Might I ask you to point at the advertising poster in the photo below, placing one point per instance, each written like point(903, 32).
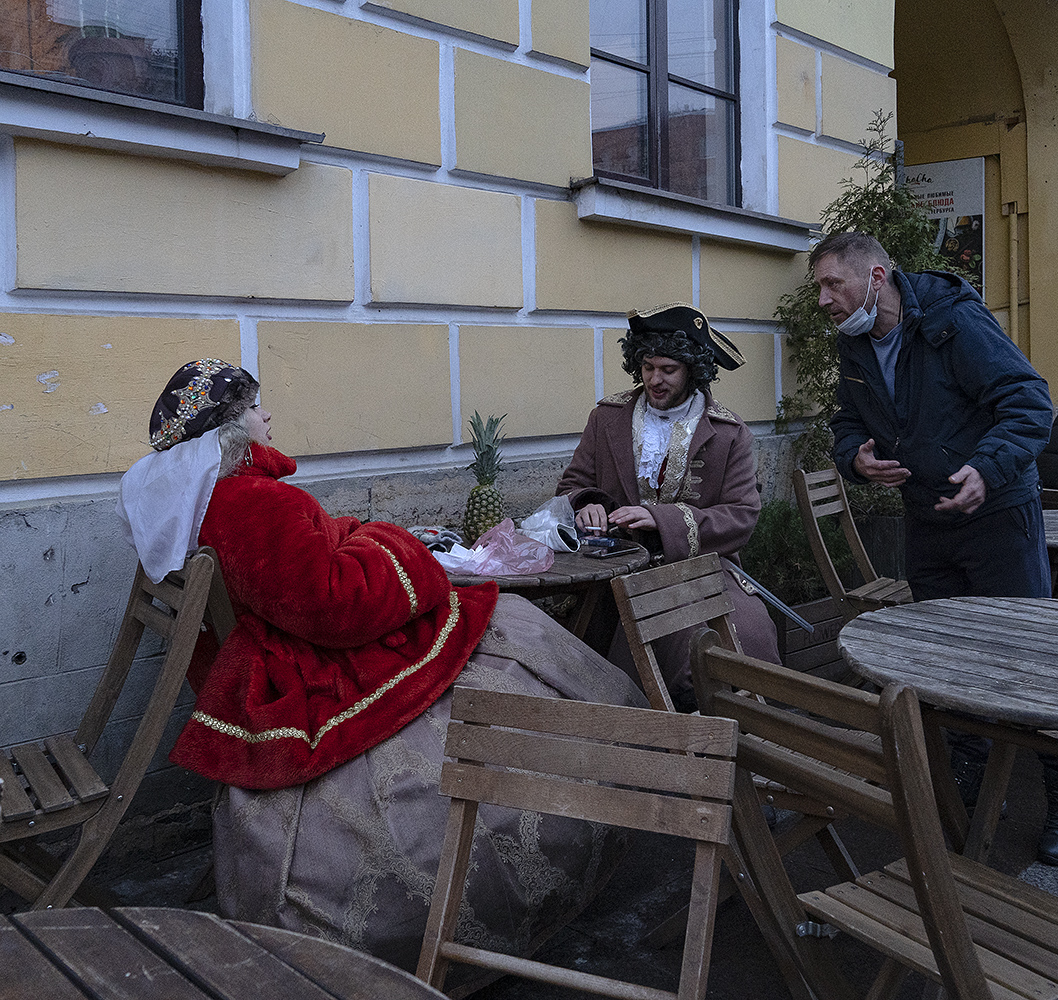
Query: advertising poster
point(953, 194)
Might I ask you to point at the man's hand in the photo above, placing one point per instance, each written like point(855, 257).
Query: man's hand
point(887, 472)
point(634, 517)
point(971, 493)
point(592, 515)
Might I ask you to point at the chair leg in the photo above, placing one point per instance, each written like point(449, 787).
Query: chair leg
point(448, 891)
point(701, 916)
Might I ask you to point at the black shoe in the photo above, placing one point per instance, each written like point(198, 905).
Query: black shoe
point(1047, 847)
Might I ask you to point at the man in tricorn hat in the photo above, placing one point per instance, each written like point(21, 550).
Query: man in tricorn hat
point(666, 463)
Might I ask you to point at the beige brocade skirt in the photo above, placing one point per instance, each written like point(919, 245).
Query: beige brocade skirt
point(352, 856)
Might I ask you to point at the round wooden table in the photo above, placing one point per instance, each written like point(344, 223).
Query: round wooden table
point(153, 952)
point(994, 658)
point(572, 572)
point(989, 656)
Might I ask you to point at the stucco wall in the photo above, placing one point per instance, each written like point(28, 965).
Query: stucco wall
point(427, 259)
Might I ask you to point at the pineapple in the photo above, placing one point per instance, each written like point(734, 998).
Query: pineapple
point(485, 508)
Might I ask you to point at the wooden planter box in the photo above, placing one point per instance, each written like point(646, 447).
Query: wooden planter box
point(816, 652)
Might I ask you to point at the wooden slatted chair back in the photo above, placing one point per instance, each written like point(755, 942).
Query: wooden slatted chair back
point(666, 599)
point(977, 932)
point(599, 763)
point(820, 495)
point(53, 784)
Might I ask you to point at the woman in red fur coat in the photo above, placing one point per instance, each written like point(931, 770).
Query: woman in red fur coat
point(324, 711)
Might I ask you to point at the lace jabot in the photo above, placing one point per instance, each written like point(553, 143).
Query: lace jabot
point(656, 433)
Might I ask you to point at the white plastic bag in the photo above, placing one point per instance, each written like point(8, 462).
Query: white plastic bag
point(501, 551)
point(554, 524)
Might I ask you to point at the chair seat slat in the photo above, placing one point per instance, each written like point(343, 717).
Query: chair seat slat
point(15, 804)
point(81, 776)
point(45, 784)
point(994, 925)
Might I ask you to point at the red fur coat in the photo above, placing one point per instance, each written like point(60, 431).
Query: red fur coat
point(346, 632)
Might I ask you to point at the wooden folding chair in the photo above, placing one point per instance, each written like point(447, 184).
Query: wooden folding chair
point(822, 494)
point(979, 933)
point(52, 785)
point(659, 601)
point(563, 758)
point(663, 600)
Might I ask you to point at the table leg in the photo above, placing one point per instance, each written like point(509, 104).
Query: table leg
point(586, 610)
point(990, 801)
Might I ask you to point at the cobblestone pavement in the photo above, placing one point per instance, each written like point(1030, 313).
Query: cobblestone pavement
point(608, 937)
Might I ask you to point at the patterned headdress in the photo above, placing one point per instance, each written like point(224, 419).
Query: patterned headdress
point(200, 396)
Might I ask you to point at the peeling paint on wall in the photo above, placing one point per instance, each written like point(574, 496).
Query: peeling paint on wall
point(98, 408)
point(7, 406)
point(6, 339)
point(45, 379)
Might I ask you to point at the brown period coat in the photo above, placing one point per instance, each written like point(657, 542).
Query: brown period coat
point(715, 509)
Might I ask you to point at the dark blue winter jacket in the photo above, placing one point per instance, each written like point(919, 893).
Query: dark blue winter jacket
point(965, 395)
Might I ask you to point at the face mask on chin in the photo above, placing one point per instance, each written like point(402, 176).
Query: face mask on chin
point(861, 321)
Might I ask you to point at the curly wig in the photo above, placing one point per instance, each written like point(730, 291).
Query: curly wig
point(701, 367)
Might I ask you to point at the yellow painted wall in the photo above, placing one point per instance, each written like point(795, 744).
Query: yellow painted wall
point(496, 19)
point(560, 29)
point(744, 283)
point(852, 95)
point(93, 220)
point(796, 75)
point(810, 178)
point(338, 387)
point(76, 391)
point(614, 377)
point(441, 243)
point(583, 266)
point(542, 378)
point(367, 87)
point(520, 122)
point(954, 65)
point(750, 391)
point(863, 28)
point(960, 101)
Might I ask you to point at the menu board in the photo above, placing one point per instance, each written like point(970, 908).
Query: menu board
point(953, 194)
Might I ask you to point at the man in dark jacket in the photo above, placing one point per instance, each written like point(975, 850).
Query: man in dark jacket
point(940, 403)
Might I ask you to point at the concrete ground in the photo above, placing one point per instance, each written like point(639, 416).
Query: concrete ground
point(608, 937)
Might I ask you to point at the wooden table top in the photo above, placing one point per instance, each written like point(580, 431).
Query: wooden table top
point(1050, 528)
point(988, 656)
point(150, 952)
point(569, 569)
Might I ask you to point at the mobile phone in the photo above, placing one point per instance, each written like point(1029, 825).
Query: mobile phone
point(620, 548)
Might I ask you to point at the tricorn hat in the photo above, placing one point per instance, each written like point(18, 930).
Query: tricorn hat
point(692, 322)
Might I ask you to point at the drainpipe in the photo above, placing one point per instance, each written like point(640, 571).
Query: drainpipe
point(1010, 210)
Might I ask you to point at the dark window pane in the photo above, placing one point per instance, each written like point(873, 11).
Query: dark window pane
point(701, 145)
point(620, 28)
point(129, 46)
point(699, 42)
point(619, 119)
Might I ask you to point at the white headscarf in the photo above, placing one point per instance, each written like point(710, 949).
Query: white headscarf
point(163, 499)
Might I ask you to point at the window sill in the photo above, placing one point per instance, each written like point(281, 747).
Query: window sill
point(599, 199)
point(61, 112)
